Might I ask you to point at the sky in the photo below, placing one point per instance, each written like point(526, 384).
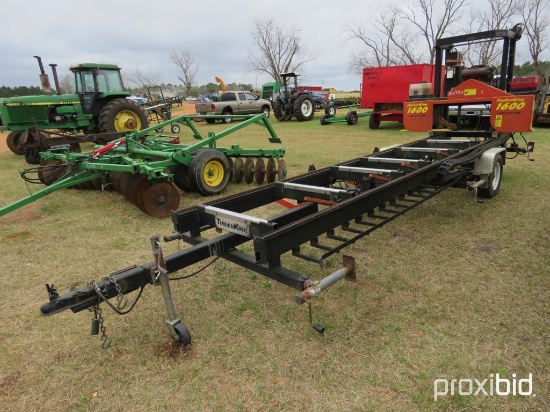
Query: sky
point(140, 34)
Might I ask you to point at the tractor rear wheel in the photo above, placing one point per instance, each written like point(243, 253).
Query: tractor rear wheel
point(279, 110)
point(209, 172)
point(304, 107)
point(122, 115)
point(13, 142)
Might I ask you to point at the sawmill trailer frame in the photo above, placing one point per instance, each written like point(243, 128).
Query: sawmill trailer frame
point(327, 209)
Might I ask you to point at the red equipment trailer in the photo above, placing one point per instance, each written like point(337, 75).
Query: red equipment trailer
point(386, 88)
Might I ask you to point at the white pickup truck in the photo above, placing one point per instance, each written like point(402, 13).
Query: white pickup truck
point(233, 102)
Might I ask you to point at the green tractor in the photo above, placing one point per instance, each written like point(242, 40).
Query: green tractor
point(99, 105)
point(293, 102)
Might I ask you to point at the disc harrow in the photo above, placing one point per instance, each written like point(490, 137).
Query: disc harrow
point(146, 167)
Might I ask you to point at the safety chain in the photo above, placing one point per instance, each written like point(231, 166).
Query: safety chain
point(120, 299)
point(98, 325)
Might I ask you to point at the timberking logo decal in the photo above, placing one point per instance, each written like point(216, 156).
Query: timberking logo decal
point(494, 385)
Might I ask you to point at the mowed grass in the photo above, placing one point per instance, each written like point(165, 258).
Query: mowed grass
point(452, 290)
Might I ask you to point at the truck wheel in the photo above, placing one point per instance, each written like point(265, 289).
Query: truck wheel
point(279, 110)
point(122, 115)
point(304, 107)
point(351, 118)
point(373, 124)
point(209, 172)
point(265, 110)
point(227, 120)
point(495, 179)
point(12, 140)
point(330, 109)
point(210, 121)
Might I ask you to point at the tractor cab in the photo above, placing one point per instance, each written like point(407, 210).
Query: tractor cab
point(97, 81)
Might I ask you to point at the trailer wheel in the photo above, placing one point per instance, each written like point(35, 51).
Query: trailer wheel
point(330, 109)
point(495, 180)
point(373, 124)
point(122, 115)
point(304, 107)
point(175, 128)
point(180, 172)
point(351, 118)
point(13, 142)
point(184, 336)
point(324, 119)
point(209, 172)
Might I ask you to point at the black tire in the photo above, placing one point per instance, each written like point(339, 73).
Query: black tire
point(210, 121)
point(351, 118)
point(227, 120)
point(122, 115)
point(373, 124)
point(209, 172)
point(181, 177)
point(13, 142)
point(175, 128)
point(324, 118)
point(266, 111)
point(304, 108)
point(184, 336)
point(495, 180)
point(279, 110)
point(330, 109)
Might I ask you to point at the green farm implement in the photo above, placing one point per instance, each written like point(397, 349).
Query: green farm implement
point(351, 117)
point(144, 166)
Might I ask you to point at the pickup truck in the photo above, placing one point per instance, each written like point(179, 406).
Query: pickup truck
point(237, 102)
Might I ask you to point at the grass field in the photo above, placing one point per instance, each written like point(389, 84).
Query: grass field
point(452, 290)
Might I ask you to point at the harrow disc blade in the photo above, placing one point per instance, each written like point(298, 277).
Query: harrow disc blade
point(249, 170)
point(270, 170)
point(281, 170)
point(259, 171)
point(50, 172)
point(238, 170)
point(161, 199)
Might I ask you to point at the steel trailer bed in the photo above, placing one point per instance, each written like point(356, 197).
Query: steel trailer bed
point(328, 209)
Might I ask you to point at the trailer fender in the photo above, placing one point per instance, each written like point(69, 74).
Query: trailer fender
point(483, 165)
point(489, 168)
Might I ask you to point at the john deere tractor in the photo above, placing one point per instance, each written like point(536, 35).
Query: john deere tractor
point(293, 102)
point(99, 105)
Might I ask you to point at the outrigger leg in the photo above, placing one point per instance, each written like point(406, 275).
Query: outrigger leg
point(176, 328)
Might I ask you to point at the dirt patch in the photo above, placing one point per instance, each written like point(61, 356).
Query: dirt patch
point(185, 108)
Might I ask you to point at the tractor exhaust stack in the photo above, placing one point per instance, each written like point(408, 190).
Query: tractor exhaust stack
point(44, 80)
point(55, 78)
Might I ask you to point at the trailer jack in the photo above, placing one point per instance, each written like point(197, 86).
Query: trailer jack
point(176, 328)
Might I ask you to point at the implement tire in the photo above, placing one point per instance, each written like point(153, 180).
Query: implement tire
point(304, 108)
point(209, 172)
point(351, 118)
point(122, 115)
point(13, 142)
